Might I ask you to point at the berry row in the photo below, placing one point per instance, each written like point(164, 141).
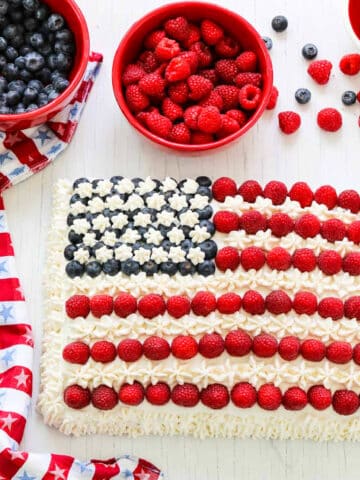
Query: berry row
point(215, 396)
point(204, 303)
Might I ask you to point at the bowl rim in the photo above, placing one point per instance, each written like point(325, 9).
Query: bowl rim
point(120, 98)
point(50, 107)
point(349, 23)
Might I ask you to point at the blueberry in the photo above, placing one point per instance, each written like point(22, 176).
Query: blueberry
point(37, 40)
point(64, 35)
point(150, 268)
point(111, 267)
point(10, 71)
point(61, 84)
point(42, 99)
point(70, 219)
point(348, 98)
point(44, 75)
point(203, 181)
point(25, 75)
point(4, 110)
point(31, 5)
point(55, 22)
point(3, 21)
point(309, 51)
point(206, 268)
point(36, 85)
point(116, 179)
point(186, 268)
point(20, 62)
point(20, 108)
point(16, 15)
point(279, 23)
point(69, 252)
point(169, 268)
point(3, 61)
point(15, 3)
point(10, 31)
point(98, 245)
point(17, 41)
point(186, 231)
point(11, 53)
point(30, 95)
point(166, 245)
point(3, 85)
point(130, 267)
point(32, 107)
point(45, 49)
point(208, 225)
point(62, 47)
point(34, 61)
point(4, 6)
point(74, 269)
point(52, 95)
point(205, 192)
point(41, 13)
point(3, 44)
point(18, 86)
point(136, 181)
point(187, 244)
point(25, 49)
point(93, 269)
point(209, 247)
point(79, 181)
point(205, 213)
point(75, 237)
point(303, 95)
point(13, 97)
point(63, 62)
point(268, 42)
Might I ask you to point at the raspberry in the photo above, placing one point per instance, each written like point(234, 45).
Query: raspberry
point(313, 350)
point(203, 303)
point(350, 64)
point(226, 70)
point(238, 343)
point(177, 28)
point(339, 352)
point(213, 100)
point(294, 399)
point(159, 125)
point(289, 348)
point(76, 352)
point(276, 191)
point(124, 305)
point(326, 195)
point(264, 345)
point(345, 402)
point(320, 70)
point(305, 303)
point(250, 97)
point(243, 395)
point(228, 126)
point(280, 224)
point(356, 354)
point(331, 307)
point(227, 258)
point(273, 99)
point(130, 350)
point(250, 190)
point(149, 61)
point(253, 222)
point(211, 32)
point(171, 110)
point(131, 394)
point(229, 303)
point(302, 193)
point(210, 74)
point(186, 395)
point(230, 96)
point(227, 47)
point(101, 305)
point(350, 200)
point(153, 39)
point(193, 37)
point(352, 307)
point(329, 119)
point(279, 259)
point(184, 347)
point(132, 74)
point(191, 58)
point(253, 303)
point(103, 352)
point(246, 62)
point(178, 69)
point(203, 52)
point(211, 345)
point(351, 263)
point(224, 187)
point(333, 230)
point(178, 92)
point(77, 397)
point(167, 49)
point(269, 397)
point(151, 305)
point(226, 222)
point(191, 116)
point(178, 306)
point(248, 78)
point(354, 232)
point(152, 84)
point(252, 258)
point(209, 120)
point(278, 302)
point(199, 87)
point(215, 396)
point(156, 348)
point(329, 262)
point(304, 260)
point(77, 306)
point(307, 226)
point(180, 134)
point(104, 398)
point(200, 138)
point(158, 394)
point(289, 122)
point(319, 397)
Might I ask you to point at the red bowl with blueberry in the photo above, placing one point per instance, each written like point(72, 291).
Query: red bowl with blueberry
point(44, 52)
point(192, 76)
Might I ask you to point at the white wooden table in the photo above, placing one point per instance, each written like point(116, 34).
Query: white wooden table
point(105, 145)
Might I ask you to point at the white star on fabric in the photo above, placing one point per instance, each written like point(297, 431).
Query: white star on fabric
point(22, 379)
point(59, 473)
point(142, 475)
point(17, 456)
point(8, 421)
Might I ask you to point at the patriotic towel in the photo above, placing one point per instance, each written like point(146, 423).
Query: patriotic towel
point(189, 308)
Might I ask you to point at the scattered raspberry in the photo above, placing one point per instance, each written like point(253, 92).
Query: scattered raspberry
point(230, 96)
point(209, 120)
point(276, 191)
point(246, 62)
point(313, 350)
point(153, 39)
point(281, 224)
point(305, 303)
point(279, 259)
point(156, 348)
point(243, 395)
point(264, 345)
point(203, 52)
point(229, 303)
point(215, 396)
point(333, 230)
point(77, 397)
point(130, 350)
point(269, 397)
point(226, 222)
point(227, 47)
point(356, 354)
point(76, 352)
point(158, 394)
point(159, 124)
point(304, 259)
point(131, 394)
point(326, 195)
point(345, 402)
point(227, 70)
point(152, 84)
point(178, 306)
point(149, 61)
point(248, 78)
point(227, 258)
point(302, 193)
point(250, 97)
point(214, 99)
point(199, 87)
point(350, 64)
point(289, 348)
point(171, 110)
point(191, 116)
point(238, 343)
point(151, 305)
point(211, 345)
point(177, 28)
point(351, 263)
point(350, 200)
point(252, 258)
point(320, 71)
point(319, 397)
point(103, 351)
point(203, 303)
point(329, 119)
point(253, 222)
point(104, 398)
point(331, 307)
point(167, 49)
point(184, 347)
point(250, 190)
point(289, 122)
point(124, 305)
point(224, 187)
point(354, 232)
point(352, 307)
point(273, 98)
point(339, 352)
point(294, 399)
point(307, 226)
point(193, 37)
point(186, 395)
point(329, 262)
point(178, 92)
point(253, 303)
point(211, 32)
point(77, 306)
point(133, 74)
point(101, 305)
point(180, 134)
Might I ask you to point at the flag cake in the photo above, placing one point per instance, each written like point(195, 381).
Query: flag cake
point(200, 307)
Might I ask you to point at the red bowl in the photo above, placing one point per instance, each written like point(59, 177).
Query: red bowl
point(354, 16)
point(77, 24)
point(234, 24)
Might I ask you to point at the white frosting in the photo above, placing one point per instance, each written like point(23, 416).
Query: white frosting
point(168, 185)
point(89, 239)
point(80, 225)
point(119, 220)
point(159, 255)
point(78, 207)
point(156, 201)
point(148, 185)
point(178, 202)
point(82, 255)
point(199, 234)
point(109, 238)
point(199, 202)
point(142, 219)
point(125, 186)
point(85, 190)
point(130, 236)
point(134, 202)
point(177, 254)
point(122, 253)
point(142, 255)
point(104, 187)
point(96, 205)
point(176, 235)
point(154, 236)
point(114, 202)
point(196, 255)
point(189, 218)
point(101, 223)
point(166, 218)
point(103, 254)
point(190, 186)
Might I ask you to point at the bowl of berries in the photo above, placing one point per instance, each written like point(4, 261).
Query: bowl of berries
point(44, 51)
point(192, 76)
point(353, 14)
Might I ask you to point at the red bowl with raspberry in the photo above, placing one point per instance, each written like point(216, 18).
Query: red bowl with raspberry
point(192, 76)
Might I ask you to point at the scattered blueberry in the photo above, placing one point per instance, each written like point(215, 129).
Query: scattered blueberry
point(309, 51)
point(209, 247)
point(69, 252)
point(279, 23)
point(268, 42)
point(348, 98)
point(169, 268)
point(130, 267)
point(93, 269)
point(74, 269)
point(186, 268)
point(111, 267)
point(206, 268)
point(303, 95)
